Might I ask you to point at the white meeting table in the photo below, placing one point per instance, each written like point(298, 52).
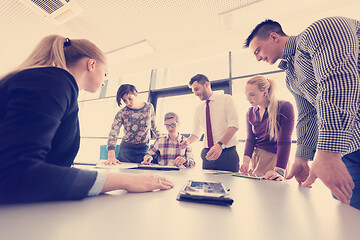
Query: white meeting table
point(262, 210)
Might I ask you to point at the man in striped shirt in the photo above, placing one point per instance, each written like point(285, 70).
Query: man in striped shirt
point(322, 67)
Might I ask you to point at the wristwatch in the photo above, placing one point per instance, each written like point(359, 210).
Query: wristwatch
point(222, 145)
point(281, 172)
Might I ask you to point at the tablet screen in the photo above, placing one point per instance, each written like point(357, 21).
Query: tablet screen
point(205, 188)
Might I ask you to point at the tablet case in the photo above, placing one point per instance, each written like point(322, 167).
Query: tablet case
point(226, 201)
point(157, 167)
point(222, 200)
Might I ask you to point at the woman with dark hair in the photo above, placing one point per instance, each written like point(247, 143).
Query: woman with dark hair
point(137, 118)
point(39, 126)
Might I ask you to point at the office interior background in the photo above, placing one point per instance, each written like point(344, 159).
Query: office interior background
point(158, 45)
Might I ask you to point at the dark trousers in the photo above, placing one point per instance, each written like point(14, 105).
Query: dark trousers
point(352, 163)
point(228, 160)
point(130, 152)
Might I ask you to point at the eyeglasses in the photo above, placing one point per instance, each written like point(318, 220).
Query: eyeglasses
point(173, 125)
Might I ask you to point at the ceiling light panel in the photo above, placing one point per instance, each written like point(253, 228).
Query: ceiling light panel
point(130, 52)
point(235, 17)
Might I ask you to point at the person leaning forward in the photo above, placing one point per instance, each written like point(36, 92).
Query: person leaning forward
point(39, 127)
point(322, 72)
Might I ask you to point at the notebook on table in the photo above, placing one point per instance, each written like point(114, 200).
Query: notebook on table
point(248, 175)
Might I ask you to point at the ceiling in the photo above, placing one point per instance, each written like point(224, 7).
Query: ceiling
point(177, 30)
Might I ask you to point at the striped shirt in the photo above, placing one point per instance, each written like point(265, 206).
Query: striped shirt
point(167, 151)
point(322, 71)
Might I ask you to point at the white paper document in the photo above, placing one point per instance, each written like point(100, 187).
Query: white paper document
point(102, 165)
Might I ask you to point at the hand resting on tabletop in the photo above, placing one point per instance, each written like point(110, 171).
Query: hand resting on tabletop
point(179, 161)
point(135, 182)
point(147, 160)
point(272, 175)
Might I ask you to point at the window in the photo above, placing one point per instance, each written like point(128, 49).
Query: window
point(183, 105)
point(244, 63)
point(170, 93)
point(140, 80)
point(181, 74)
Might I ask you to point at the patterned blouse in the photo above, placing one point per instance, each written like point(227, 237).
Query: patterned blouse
point(137, 124)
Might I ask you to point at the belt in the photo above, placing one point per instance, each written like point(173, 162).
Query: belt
point(229, 148)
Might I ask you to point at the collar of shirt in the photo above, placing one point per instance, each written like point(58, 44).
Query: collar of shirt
point(179, 137)
point(213, 96)
point(289, 51)
point(256, 109)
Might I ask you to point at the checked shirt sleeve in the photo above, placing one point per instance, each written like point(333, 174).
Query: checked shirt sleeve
point(153, 150)
point(306, 129)
point(334, 49)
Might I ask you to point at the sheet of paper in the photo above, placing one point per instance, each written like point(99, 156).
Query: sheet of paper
point(217, 172)
point(102, 165)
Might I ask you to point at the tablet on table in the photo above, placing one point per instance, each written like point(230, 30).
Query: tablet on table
point(205, 192)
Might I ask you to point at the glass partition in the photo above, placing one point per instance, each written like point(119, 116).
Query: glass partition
point(243, 62)
point(183, 105)
point(96, 116)
point(141, 80)
point(178, 75)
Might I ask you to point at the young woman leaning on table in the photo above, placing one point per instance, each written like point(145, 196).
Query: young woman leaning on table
point(137, 118)
point(269, 127)
point(39, 127)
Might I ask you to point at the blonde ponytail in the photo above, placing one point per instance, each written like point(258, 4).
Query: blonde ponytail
point(272, 111)
point(48, 53)
point(264, 84)
point(61, 52)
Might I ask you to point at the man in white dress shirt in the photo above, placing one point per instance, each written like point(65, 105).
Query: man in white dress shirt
point(220, 141)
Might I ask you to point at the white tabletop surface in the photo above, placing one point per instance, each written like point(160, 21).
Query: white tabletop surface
point(261, 210)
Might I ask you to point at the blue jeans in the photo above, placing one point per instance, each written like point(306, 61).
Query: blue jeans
point(130, 152)
point(352, 162)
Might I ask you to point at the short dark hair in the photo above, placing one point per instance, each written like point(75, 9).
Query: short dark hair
point(200, 78)
point(123, 90)
point(263, 30)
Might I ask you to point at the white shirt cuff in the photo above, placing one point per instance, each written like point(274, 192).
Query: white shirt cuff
point(98, 185)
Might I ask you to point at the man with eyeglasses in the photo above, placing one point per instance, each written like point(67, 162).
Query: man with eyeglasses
point(218, 118)
point(167, 148)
